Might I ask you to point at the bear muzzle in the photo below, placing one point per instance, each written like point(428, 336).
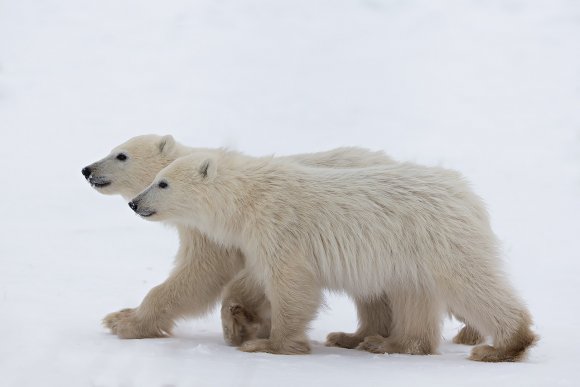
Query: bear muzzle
point(134, 205)
point(95, 181)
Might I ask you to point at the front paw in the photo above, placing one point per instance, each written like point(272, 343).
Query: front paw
point(290, 347)
point(112, 319)
point(126, 324)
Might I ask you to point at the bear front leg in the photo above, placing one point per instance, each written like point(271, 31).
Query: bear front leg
point(195, 285)
point(245, 310)
point(149, 320)
point(295, 297)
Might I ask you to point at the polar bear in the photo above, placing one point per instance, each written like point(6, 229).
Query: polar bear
point(414, 233)
point(203, 269)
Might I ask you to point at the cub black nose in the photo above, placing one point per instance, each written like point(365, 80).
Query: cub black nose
point(133, 206)
point(86, 171)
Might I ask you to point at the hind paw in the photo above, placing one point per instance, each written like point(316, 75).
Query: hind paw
point(468, 336)
point(343, 340)
point(376, 344)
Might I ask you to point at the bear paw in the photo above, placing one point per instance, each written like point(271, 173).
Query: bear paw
point(409, 346)
point(485, 353)
point(468, 336)
point(298, 347)
point(376, 344)
point(238, 324)
point(343, 340)
point(126, 325)
point(112, 319)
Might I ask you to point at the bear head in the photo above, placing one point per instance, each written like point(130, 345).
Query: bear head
point(131, 166)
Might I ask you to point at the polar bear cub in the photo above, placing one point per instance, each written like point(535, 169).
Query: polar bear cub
point(415, 233)
point(203, 268)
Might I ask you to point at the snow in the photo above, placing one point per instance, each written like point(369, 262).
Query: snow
point(491, 88)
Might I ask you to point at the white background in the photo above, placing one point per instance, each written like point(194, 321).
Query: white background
point(491, 88)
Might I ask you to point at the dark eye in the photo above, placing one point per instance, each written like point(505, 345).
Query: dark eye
point(121, 157)
point(162, 184)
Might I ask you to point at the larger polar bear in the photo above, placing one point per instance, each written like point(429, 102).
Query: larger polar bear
point(416, 234)
point(203, 269)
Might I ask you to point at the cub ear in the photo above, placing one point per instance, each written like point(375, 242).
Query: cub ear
point(166, 143)
point(208, 168)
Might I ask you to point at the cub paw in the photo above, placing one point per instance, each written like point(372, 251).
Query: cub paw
point(468, 336)
point(375, 344)
point(238, 324)
point(343, 340)
point(112, 319)
point(298, 347)
point(127, 325)
point(485, 353)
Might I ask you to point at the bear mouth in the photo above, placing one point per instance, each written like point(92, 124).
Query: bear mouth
point(98, 182)
point(101, 185)
point(147, 214)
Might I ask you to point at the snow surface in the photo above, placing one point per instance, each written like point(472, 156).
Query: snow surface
point(491, 88)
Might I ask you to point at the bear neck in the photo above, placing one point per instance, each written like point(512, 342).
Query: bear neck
point(248, 195)
point(247, 185)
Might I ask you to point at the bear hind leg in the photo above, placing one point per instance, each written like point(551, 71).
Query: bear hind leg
point(416, 326)
point(495, 310)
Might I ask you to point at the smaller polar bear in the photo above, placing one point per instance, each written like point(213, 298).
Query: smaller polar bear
point(415, 233)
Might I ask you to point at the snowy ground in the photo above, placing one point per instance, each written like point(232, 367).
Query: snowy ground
point(491, 88)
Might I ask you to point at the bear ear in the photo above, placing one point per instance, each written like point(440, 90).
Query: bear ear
point(166, 143)
point(208, 169)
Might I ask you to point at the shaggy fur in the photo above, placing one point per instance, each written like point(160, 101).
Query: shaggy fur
point(416, 234)
point(202, 268)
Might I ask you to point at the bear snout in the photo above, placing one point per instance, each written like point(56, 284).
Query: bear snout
point(86, 171)
point(134, 205)
point(142, 211)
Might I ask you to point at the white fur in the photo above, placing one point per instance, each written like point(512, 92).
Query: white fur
point(203, 268)
point(416, 234)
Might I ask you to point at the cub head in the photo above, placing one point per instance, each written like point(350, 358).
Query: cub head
point(184, 191)
point(131, 166)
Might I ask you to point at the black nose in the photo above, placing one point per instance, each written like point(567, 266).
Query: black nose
point(86, 171)
point(133, 206)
